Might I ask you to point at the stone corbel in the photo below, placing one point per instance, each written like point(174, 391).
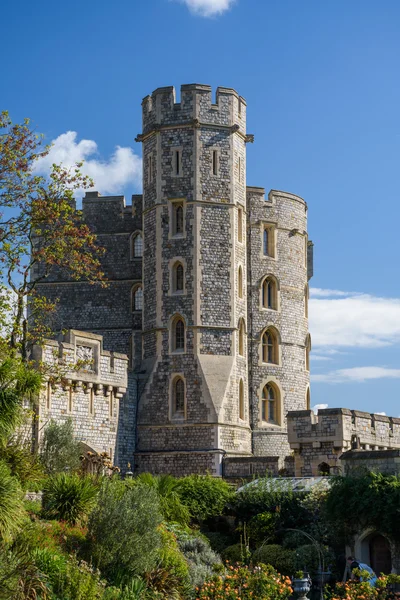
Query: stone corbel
point(98, 389)
point(249, 138)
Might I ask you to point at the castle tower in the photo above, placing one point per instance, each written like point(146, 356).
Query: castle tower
point(195, 405)
point(280, 264)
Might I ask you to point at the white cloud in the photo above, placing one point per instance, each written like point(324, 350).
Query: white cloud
point(318, 407)
point(208, 8)
point(349, 319)
point(357, 374)
point(318, 357)
point(110, 176)
point(381, 413)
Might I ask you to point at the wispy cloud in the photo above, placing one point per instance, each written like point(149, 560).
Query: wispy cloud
point(208, 8)
point(356, 374)
point(318, 407)
point(122, 168)
point(350, 319)
point(318, 357)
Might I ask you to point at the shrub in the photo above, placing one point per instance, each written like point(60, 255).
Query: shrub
point(69, 497)
point(49, 562)
point(78, 582)
point(261, 528)
point(167, 488)
point(23, 464)
point(204, 495)
point(234, 553)
point(12, 512)
point(201, 559)
point(60, 450)
point(353, 590)
point(123, 530)
point(135, 589)
point(219, 541)
point(20, 578)
point(282, 559)
point(246, 583)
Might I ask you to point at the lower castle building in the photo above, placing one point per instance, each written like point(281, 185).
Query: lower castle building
point(201, 338)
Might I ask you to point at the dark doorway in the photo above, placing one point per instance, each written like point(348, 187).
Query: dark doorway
point(324, 469)
point(381, 557)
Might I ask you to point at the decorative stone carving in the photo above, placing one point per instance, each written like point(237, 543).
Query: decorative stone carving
point(85, 354)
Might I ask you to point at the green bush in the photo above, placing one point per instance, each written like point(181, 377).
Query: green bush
point(60, 450)
point(23, 463)
point(135, 589)
point(205, 496)
point(200, 557)
point(69, 497)
point(167, 488)
point(78, 581)
point(219, 541)
point(49, 562)
point(171, 577)
point(12, 511)
point(234, 553)
point(282, 559)
point(262, 527)
point(123, 530)
point(20, 578)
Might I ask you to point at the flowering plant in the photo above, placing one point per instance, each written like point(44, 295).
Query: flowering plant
point(239, 582)
point(363, 590)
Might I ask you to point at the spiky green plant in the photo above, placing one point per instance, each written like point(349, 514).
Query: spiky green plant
point(69, 497)
point(12, 511)
point(171, 505)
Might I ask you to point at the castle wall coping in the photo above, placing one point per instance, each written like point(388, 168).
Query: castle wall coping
point(99, 198)
point(253, 459)
point(255, 189)
point(369, 454)
point(289, 195)
point(361, 413)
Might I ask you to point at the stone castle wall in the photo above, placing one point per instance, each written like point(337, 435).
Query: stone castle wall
point(89, 395)
point(322, 438)
point(287, 263)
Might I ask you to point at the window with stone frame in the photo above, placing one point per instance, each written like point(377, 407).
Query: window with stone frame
point(178, 397)
point(241, 400)
point(270, 412)
point(136, 245)
point(240, 224)
point(268, 241)
point(241, 337)
point(177, 162)
point(269, 294)
point(178, 335)
point(137, 298)
point(270, 347)
point(178, 275)
point(177, 218)
point(215, 162)
point(240, 282)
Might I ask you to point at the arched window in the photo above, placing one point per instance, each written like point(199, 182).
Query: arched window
point(308, 399)
point(240, 282)
point(270, 347)
point(178, 397)
point(137, 245)
point(324, 469)
point(307, 352)
point(265, 242)
point(269, 293)
point(270, 404)
point(241, 400)
point(306, 296)
point(178, 335)
point(178, 277)
point(137, 298)
point(241, 337)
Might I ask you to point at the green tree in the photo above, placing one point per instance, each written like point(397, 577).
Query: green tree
point(124, 530)
point(204, 495)
point(12, 512)
point(59, 450)
point(39, 230)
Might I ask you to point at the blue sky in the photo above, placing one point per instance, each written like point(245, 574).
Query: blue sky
point(321, 80)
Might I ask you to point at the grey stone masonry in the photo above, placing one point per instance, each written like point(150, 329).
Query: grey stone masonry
point(379, 461)
point(321, 439)
point(286, 263)
point(87, 386)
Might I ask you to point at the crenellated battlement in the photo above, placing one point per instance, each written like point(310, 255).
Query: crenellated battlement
point(195, 108)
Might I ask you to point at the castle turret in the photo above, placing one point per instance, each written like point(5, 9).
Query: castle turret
point(195, 406)
point(279, 342)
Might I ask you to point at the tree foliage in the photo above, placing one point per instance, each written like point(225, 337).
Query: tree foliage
point(205, 496)
point(12, 511)
point(167, 489)
point(365, 500)
point(39, 230)
point(60, 450)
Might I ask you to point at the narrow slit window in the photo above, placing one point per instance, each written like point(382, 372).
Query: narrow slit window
point(241, 338)
point(177, 162)
point(266, 242)
point(178, 278)
point(111, 404)
point(215, 162)
point(240, 282)
point(240, 168)
point(240, 225)
point(150, 168)
point(178, 397)
point(178, 219)
point(241, 400)
point(48, 396)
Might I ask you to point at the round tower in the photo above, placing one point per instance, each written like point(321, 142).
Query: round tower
point(195, 406)
point(279, 342)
